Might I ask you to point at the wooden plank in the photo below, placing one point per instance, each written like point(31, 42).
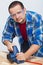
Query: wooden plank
point(32, 61)
point(3, 59)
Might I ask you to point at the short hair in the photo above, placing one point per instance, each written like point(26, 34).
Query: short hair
point(14, 3)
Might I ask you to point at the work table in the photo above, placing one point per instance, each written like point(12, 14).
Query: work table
point(32, 61)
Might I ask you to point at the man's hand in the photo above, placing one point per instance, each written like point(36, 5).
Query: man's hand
point(24, 56)
point(21, 56)
point(10, 47)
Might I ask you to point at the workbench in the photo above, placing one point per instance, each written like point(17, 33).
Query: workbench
point(32, 61)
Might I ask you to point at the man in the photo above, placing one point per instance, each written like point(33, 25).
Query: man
point(28, 27)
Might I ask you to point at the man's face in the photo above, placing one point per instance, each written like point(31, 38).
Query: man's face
point(18, 14)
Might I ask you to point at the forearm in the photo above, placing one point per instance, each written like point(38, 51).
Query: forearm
point(9, 45)
point(34, 48)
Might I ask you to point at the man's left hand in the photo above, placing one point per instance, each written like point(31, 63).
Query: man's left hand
point(20, 56)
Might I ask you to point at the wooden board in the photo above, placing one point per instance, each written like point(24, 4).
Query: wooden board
point(4, 61)
point(26, 63)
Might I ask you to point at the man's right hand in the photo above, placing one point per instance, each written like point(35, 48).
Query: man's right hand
point(9, 45)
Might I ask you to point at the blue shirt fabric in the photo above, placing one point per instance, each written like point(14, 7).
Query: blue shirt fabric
point(34, 29)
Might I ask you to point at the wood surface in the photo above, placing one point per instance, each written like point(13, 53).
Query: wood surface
point(4, 60)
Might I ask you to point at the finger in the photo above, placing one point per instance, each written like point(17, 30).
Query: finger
point(18, 58)
point(18, 53)
point(10, 49)
point(13, 44)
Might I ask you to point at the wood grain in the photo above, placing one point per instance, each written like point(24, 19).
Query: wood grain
point(31, 61)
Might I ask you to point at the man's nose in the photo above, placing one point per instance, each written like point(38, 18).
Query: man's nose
point(17, 15)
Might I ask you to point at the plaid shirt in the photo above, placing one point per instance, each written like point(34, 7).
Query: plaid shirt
point(34, 29)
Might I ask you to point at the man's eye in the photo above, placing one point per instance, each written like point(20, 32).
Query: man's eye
point(13, 15)
point(18, 12)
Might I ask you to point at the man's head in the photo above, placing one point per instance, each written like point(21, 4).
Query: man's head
point(17, 11)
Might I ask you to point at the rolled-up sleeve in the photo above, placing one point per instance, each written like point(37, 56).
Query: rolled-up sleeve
point(9, 31)
point(38, 31)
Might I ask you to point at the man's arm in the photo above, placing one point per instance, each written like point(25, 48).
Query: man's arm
point(34, 48)
point(8, 34)
point(24, 56)
point(36, 40)
point(37, 36)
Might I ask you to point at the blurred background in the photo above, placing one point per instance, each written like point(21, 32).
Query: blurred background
point(33, 5)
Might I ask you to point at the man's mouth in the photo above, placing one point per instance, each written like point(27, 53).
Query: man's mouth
point(18, 20)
